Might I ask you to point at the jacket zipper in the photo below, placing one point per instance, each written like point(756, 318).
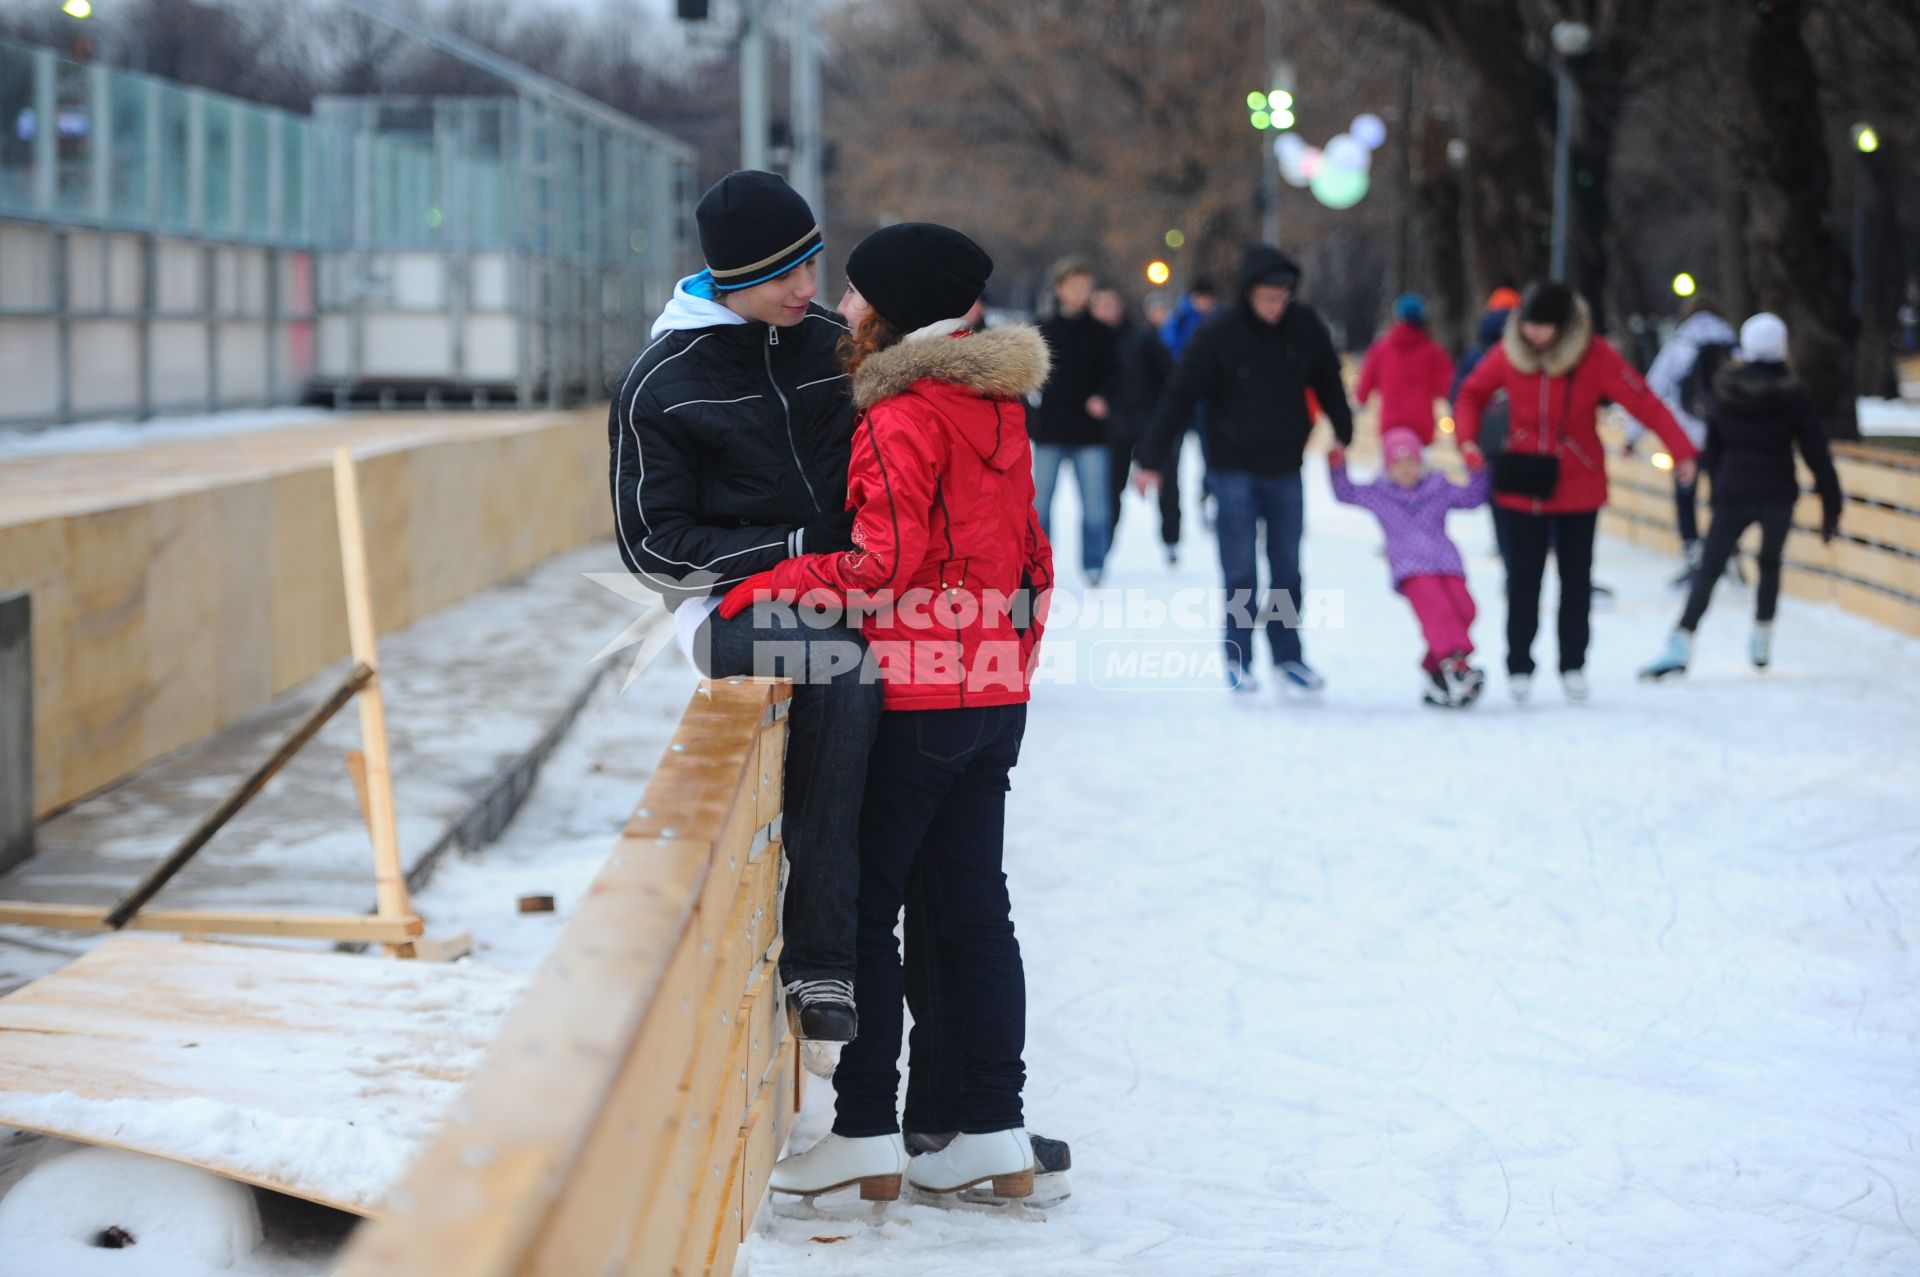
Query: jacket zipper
point(766, 351)
point(1546, 431)
point(940, 498)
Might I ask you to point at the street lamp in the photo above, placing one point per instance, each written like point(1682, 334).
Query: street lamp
point(1866, 141)
point(1570, 40)
point(133, 45)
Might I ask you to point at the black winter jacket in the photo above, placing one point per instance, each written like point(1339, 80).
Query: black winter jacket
point(1083, 356)
point(1760, 412)
point(1253, 378)
point(1141, 367)
point(723, 440)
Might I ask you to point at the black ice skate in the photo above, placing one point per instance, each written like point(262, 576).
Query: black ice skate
point(822, 1010)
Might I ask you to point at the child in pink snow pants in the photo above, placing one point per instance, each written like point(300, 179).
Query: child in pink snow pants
point(1412, 504)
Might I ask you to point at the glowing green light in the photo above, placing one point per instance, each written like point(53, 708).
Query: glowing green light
point(1283, 119)
point(1261, 119)
point(1280, 100)
point(1865, 139)
point(1256, 101)
point(434, 218)
point(1684, 285)
point(77, 9)
point(1176, 238)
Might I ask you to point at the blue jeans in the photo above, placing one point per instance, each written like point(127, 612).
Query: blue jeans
point(1245, 502)
point(1090, 465)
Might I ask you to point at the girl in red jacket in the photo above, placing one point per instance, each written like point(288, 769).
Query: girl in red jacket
point(1551, 477)
point(949, 574)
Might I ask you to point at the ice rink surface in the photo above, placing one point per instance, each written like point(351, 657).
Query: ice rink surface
point(1363, 987)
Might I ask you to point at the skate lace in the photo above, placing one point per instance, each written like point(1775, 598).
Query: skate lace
point(821, 991)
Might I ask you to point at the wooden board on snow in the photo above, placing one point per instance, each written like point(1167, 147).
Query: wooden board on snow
point(316, 1074)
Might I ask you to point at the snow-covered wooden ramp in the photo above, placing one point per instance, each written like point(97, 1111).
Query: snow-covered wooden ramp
point(316, 1074)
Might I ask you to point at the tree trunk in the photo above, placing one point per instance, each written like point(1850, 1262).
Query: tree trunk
point(1729, 165)
point(1437, 211)
point(1882, 282)
point(1798, 264)
point(1509, 213)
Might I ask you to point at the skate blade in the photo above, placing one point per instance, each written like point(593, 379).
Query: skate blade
point(1050, 1189)
point(820, 1058)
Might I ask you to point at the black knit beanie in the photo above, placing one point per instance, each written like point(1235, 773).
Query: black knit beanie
point(754, 227)
point(1547, 303)
point(916, 273)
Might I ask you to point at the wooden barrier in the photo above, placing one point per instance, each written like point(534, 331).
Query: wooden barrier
point(626, 1120)
point(180, 584)
point(1871, 569)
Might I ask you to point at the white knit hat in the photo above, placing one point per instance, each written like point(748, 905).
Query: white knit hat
point(1763, 339)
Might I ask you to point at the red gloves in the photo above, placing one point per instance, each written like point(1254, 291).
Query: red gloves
point(1337, 457)
point(1471, 454)
point(757, 587)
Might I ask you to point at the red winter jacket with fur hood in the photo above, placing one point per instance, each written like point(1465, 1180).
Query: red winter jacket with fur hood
point(1553, 406)
point(945, 534)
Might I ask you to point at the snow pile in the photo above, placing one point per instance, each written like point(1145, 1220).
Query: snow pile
point(94, 435)
point(342, 1154)
point(101, 1211)
point(1889, 417)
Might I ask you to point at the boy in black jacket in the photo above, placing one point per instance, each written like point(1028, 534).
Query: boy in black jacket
point(1252, 364)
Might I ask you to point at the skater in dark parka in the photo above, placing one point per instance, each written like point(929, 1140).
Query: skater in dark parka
point(1760, 413)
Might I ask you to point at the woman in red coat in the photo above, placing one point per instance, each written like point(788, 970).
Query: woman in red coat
point(948, 573)
point(1551, 477)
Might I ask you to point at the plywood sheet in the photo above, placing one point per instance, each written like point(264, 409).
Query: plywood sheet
point(317, 1074)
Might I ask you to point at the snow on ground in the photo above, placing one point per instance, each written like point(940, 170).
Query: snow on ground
point(91, 435)
point(561, 838)
point(1364, 987)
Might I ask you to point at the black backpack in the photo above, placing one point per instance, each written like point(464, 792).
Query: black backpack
point(1696, 388)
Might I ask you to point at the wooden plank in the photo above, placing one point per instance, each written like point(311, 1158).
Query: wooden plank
point(108, 1049)
point(479, 1200)
point(352, 928)
point(626, 1155)
point(203, 832)
point(1878, 523)
point(183, 584)
point(757, 1155)
point(719, 1131)
point(1876, 567)
point(1879, 483)
point(773, 765)
point(389, 879)
point(1883, 609)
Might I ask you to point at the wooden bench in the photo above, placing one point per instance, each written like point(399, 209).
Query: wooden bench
point(626, 1119)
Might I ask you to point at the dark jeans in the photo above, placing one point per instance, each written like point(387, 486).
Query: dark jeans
point(1119, 468)
point(1529, 538)
point(1501, 524)
point(831, 724)
point(1723, 539)
point(1245, 503)
point(937, 797)
point(1685, 509)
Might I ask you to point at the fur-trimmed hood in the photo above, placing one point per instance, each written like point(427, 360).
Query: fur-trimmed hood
point(999, 363)
point(1560, 358)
